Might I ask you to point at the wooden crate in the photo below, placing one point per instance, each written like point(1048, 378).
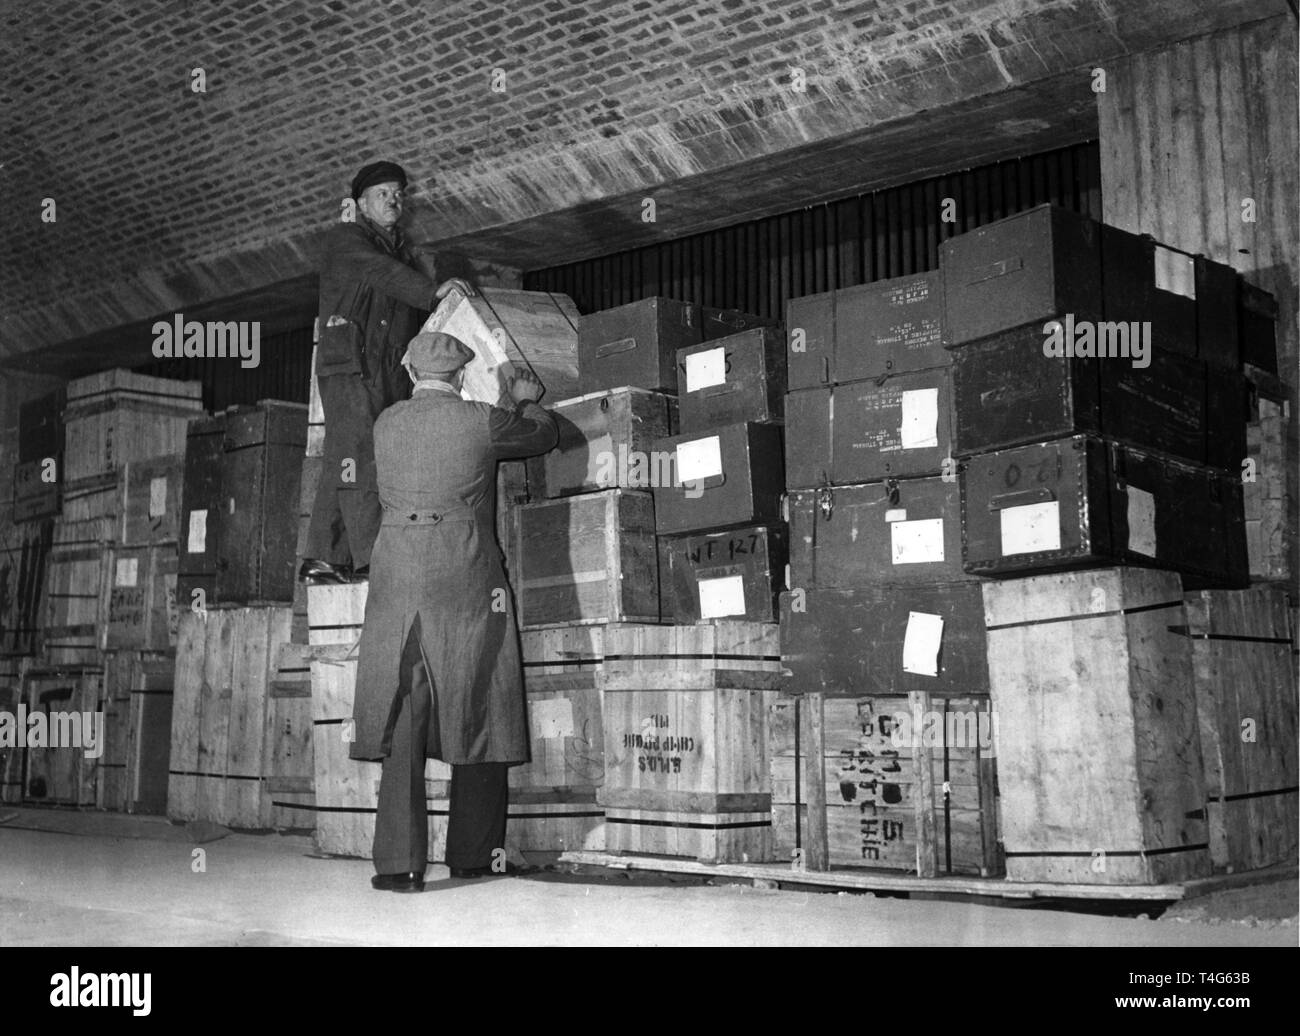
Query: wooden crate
point(504, 328)
point(336, 612)
point(587, 559)
point(908, 783)
point(95, 496)
point(1270, 537)
point(1246, 705)
point(553, 797)
point(225, 662)
point(111, 781)
point(148, 754)
point(347, 790)
point(117, 416)
point(150, 490)
point(606, 439)
point(289, 766)
point(11, 756)
point(1099, 759)
point(686, 745)
point(76, 598)
point(64, 770)
point(142, 610)
point(24, 558)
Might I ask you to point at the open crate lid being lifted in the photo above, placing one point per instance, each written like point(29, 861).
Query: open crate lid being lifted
point(534, 329)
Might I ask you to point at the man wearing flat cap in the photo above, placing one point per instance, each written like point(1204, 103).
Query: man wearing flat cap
point(373, 298)
point(438, 673)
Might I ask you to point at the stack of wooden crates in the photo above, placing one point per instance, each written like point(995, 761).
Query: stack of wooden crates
point(103, 455)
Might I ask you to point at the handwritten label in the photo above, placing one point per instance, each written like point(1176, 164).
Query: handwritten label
point(158, 496)
point(197, 541)
point(920, 425)
point(128, 570)
point(552, 718)
point(1030, 528)
point(705, 369)
point(921, 643)
point(722, 596)
point(699, 459)
point(917, 542)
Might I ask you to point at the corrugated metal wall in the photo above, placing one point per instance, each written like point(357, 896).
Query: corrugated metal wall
point(284, 372)
point(758, 266)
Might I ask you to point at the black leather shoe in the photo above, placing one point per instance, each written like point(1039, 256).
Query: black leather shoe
point(408, 882)
point(359, 575)
point(511, 871)
point(315, 572)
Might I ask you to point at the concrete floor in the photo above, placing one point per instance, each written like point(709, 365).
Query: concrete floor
point(108, 881)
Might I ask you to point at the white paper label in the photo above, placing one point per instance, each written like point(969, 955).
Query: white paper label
point(553, 718)
point(920, 427)
point(699, 459)
point(921, 644)
point(128, 570)
point(917, 542)
point(158, 496)
point(1175, 272)
point(1031, 528)
point(197, 542)
point(705, 369)
point(1141, 522)
point(897, 514)
point(722, 596)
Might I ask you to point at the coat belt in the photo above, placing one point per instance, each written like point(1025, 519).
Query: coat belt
point(392, 516)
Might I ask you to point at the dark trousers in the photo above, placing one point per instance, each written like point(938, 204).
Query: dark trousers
point(346, 515)
point(479, 791)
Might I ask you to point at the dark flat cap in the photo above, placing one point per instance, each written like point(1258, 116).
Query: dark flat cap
point(437, 353)
point(377, 172)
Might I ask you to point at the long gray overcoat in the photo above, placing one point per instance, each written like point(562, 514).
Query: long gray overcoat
point(437, 560)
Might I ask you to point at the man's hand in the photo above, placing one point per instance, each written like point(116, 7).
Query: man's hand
point(526, 387)
point(448, 285)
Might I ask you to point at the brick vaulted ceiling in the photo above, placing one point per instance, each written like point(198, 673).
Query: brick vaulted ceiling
point(171, 200)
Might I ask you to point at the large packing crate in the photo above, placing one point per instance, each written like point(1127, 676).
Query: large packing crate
point(36, 490)
point(290, 762)
point(1023, 269)
point(151, 500)
point(886, 327)
point(863, 431)
point(584, 559)
point(96, 496)
point(1099, 758)
point(142, 609)
point(1187, 298)
point(553, 804)
point(1271, 538)
point(347, 790)
point(738, 378)
point(24, 556)
point(201, 501)
point(725, 478)
point(336, 612)
point(225, 662)
point(734, 574)
point(118, 416)
point(1087, 501)
point(902, 530)
point(77, 589)
point(507, 328)
point(63, 770)
point(1008, 393)
point(606, 439)
point(686, 746)
point(636, 344)
point(885, 639)
point(910, 783)
point(1246, 704)
point(261, 466)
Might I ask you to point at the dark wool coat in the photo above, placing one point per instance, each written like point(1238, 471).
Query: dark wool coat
point(370, 280)
point(437, 560)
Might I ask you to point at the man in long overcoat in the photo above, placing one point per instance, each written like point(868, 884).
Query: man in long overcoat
point(439, 674)
point(373, 299)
